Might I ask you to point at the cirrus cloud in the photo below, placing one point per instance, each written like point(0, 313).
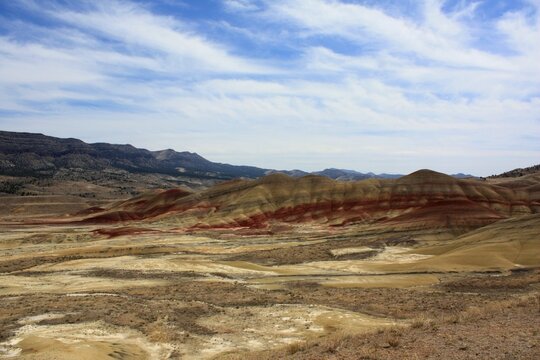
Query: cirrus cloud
point(449, 85)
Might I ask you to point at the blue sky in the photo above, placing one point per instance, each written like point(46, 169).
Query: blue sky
point(383, 86)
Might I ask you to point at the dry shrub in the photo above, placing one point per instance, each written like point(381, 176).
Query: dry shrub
point(393, 342)
point(294, 348)
point(342, 345)
point(421, 322)
point(367, 353)
point(475, 313)
point(450, 318)
point(333, 342)
point(391, 336)
point(160, 330)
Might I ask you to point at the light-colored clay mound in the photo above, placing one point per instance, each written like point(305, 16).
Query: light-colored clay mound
point(424, 199)
point(505, 245)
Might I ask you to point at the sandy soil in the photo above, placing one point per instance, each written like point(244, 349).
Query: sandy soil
point(65, 284)
point(95, 340)
point(163, 293)
point(257, 328)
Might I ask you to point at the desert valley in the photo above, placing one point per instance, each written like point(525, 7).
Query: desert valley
point(227, 266)
point(270, 179)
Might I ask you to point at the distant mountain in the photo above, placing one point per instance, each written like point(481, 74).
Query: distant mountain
point(463, 176)
point(352, 175)
point(337, 174)
point(122, 169)
point(293, 173)
point(343, 174)
point(37, 155)
point(518, 172)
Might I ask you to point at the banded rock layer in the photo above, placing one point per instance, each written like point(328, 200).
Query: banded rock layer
point(422, 199)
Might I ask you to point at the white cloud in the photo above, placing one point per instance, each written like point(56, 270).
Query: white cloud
point(438, 38)
point(404, 94)
point(517, 81)
point(135, 26)
point(240, 5)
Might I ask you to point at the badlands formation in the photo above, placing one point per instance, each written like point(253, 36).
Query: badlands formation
point(422, 266)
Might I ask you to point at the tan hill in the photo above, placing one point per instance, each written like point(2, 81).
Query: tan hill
point(535, 169)
point(509, 244)
point(422, 199)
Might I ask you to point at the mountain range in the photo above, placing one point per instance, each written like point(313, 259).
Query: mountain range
point(40, 156)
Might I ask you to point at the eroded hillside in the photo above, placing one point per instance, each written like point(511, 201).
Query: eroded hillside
point(424, 199)
point(425, 266)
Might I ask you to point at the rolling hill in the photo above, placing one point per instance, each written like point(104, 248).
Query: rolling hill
point(518, 172)
point(423, 199)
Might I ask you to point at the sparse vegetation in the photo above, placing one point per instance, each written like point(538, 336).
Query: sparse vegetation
point(302, 284)
point(11, 187)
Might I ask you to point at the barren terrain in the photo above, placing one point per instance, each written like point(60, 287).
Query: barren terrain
point(392, 281)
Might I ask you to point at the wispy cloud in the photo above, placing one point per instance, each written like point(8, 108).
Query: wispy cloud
point(240, 5)
point(284, 84)
point(139, 30)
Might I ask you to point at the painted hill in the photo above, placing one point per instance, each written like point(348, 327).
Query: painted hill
point(423, 199)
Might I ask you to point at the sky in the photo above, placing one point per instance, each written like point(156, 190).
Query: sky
point(373, 85)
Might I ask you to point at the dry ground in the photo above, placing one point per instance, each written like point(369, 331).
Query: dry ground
point(307, 293)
